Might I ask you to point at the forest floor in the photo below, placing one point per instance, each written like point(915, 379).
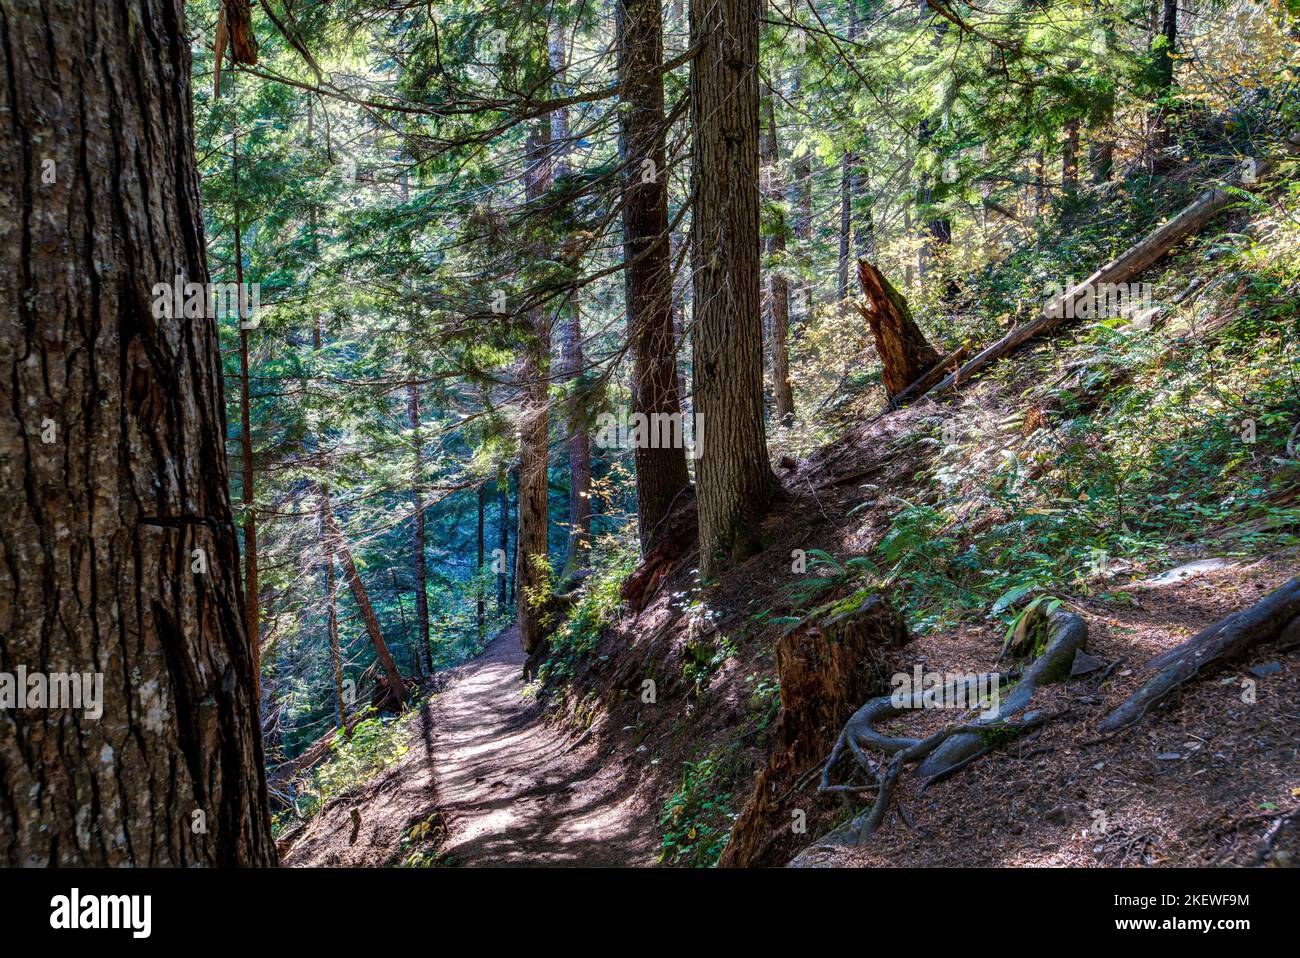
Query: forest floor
point(498, 785)
point(1210, 779)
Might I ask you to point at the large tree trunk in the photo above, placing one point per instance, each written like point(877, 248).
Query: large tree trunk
point(118, 553)
point(532, 558)
point(734, 479)
point(418, 533)
point(778, 316)
point(661, 472)
point(393, 678)
point(905, 353)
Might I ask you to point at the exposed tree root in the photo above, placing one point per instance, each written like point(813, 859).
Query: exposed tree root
point(1277, 615)
point(948, 750)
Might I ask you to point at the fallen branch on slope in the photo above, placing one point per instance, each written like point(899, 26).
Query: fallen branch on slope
point(1277, 615)
point(1130, 263)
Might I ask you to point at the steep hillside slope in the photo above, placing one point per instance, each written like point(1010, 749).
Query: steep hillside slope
point(1122, 447)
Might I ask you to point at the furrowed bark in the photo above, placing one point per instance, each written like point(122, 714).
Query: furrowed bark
point(661, 472)
point(118, 547)
point(735, 483)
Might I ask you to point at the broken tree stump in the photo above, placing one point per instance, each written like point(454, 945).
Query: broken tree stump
point(905, 354)
point(828, 663)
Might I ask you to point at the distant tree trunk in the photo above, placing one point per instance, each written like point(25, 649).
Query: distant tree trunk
point(904, 351)
point(778, 324)
point(848, 161)
point(532, 561)
point(1070, 158)
point(1164, 59)
point(1040, 183)
point(418, 534)
point(332, 611)
point(865, 236)
point(1101, 160)
point(393, 678)
point(327, 541)
point(679, 331)
point(661, 472)
point(1167, 25)
point(246, 443)
point(846, 222)
point(513, 562)
point(578, 444)
point(735, 483)
point(481, 607)
point(938, 229)
point(503, 540)
point(401, 613)
point(801, 201)
point(116, 526)
point(801, 290)
point(571, 358)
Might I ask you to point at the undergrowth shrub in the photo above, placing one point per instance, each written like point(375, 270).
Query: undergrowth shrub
point(697, 818)
point(376, 742)
point(614, 556)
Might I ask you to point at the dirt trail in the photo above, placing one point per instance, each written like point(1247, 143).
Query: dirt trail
point(512, 790)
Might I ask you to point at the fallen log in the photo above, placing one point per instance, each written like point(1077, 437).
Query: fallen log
point(283, 774)
point(1275, 616)
point(1124, 267)
point(905, 354)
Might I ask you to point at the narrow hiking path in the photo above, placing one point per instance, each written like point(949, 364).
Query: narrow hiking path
point(511, 789)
